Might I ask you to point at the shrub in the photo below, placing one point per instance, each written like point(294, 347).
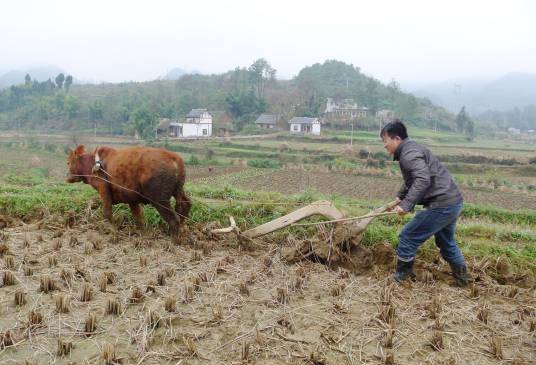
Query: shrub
point(382, 156)
point(264, 163)
point(50, 147)
point(363, 154)
point(371, 163)
point(209, 154)
point(193, 160)
point(284, 147)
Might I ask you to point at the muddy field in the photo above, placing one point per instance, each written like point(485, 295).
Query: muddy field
point(92, 294)
point(294, 181)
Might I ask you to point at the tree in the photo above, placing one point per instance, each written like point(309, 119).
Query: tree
point(461, 120)
point(72, 106)
point(68, 82)
point(393, 88)
point(470, 130)
point(59, 80)
point(95, 111)
point(261, 72)
point(143, 122)
point(244, 107)
point(59, 101)
point(27, 79)
point(372, 95)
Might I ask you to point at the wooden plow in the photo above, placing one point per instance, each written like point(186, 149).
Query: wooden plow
point(339, 245)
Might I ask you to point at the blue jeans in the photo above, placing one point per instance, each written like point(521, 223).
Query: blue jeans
point(440, 222)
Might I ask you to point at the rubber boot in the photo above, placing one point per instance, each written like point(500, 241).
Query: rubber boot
point(460, 274)
point(404, 271)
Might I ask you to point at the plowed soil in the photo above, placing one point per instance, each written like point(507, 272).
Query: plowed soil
point(293, 181)
point(235, 305)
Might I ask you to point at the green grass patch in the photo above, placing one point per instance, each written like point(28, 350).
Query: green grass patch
point(264, 163)
point(499, 215)
point(251, 209)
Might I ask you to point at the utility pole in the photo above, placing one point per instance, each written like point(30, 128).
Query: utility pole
point(380, 131)
point(352, 135)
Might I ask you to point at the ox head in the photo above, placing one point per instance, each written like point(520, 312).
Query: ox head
point(76, 164)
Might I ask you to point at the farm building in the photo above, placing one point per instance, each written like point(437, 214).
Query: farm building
point(197, 123)
point(344, 110)
point(304, 125)
point(268, 121)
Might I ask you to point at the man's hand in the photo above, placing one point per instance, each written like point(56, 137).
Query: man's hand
point(397, 201)
point(399, 210)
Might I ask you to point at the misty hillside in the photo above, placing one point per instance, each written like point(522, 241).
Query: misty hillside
point(243, 93)
point(16, 77)
point(502, 94)
point(177, 72)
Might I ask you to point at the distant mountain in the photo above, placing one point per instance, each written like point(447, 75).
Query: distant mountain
point(505, 93)
point(16, 77)
point(177, 72)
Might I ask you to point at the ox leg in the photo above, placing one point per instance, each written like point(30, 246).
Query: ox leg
point(164, 208)
point(138, 214)
point(106, 204)
point(182, 206)
point(107, 208)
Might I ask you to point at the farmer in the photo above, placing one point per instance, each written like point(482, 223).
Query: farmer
point(426, 182)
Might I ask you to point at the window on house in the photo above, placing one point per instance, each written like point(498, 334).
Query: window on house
point(205, 132)
point(295, 128)
point(180, 131)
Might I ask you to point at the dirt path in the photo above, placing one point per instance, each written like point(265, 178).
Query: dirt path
point(235, 306)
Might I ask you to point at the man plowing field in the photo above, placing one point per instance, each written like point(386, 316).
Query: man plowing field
point(426, 182)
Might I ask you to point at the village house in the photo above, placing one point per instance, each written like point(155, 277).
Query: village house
point(268, 121)
point(197, 123)
point(344, 110)
point(304, 125)
point(385, 115)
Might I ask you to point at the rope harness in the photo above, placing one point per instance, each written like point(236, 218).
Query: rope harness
point(138, 193)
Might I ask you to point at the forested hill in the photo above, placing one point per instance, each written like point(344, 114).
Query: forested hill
point(243, 93)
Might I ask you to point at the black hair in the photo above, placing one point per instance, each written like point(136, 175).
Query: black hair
point(395, 128)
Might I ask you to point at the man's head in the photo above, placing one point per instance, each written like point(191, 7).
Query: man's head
point(392, 134)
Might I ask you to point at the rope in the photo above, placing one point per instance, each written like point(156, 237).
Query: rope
point(140, 194)
point(345, 219)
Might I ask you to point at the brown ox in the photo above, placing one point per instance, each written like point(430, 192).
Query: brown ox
point(136, 175)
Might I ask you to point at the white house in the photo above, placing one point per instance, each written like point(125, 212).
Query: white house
point(197, 123)
point(344, 109)
point(304, 125)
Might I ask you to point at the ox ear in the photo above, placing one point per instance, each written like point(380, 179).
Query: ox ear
point(79, 150)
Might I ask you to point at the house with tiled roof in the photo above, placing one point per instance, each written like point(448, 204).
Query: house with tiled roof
point(197, 123)
point(305, 125)
point(268, 121)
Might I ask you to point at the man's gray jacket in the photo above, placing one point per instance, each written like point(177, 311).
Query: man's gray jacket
point(426, 180)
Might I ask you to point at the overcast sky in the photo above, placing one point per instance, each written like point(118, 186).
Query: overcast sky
point(411, 40)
